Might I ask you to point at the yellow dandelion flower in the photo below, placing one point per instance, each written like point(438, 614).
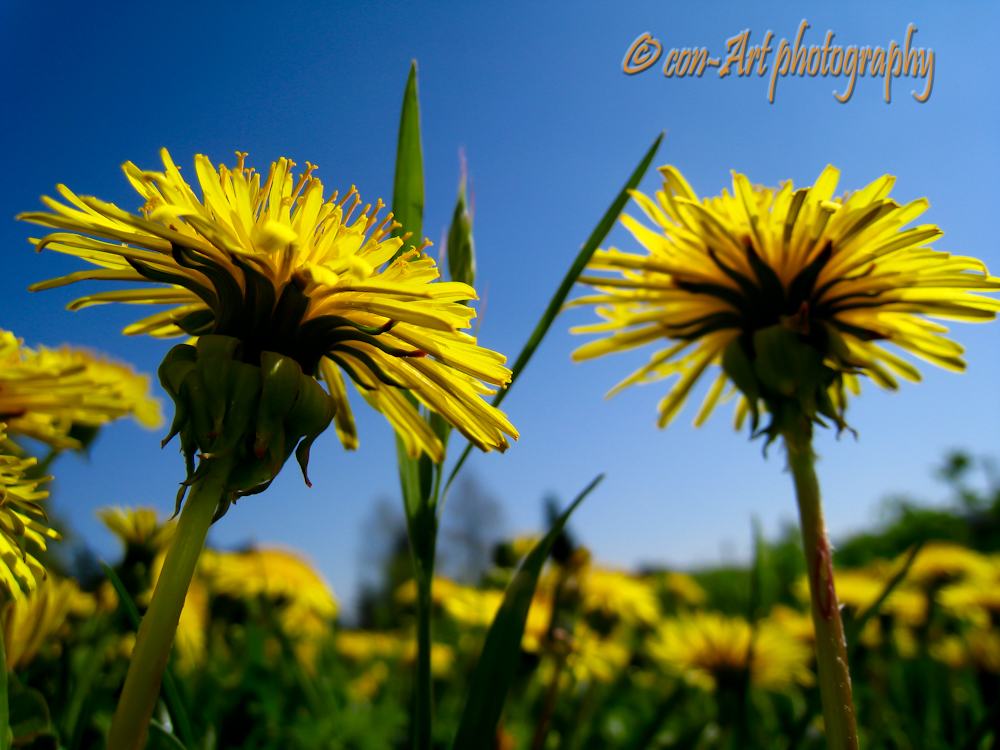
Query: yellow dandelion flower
point(938, 563)
point(595, 659)
point(473, 608)
point(683, 588)
point(619, 596)
point(139, 527)
point(711, 650)
point(53, 395)
point(978, 647)
point(796, 624)
point(441, 590)
point(22, 520)
point(366, 686)
point(273, 264)
point(279, 575)
point(789, 291)
point(364, 645)
point(29, 622)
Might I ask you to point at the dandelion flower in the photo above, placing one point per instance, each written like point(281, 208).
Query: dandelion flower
point(714, 651)
point(618, 596)
point(22, 520)
point(30, 621)
point(791, 292)
point(137, 527)
point(274, 264)
point(274, 574)
point(56, 395)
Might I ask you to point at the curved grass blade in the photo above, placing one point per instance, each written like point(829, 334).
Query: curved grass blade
point(498, 661)
point(858, 624)
point(555, 304)
point(171, 695)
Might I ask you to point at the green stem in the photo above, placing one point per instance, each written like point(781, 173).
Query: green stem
point(156, 633)
point(831, 646)
point(423, 736)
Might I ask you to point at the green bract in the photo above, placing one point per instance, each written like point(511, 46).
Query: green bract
point(778, 366)
point(248, 418)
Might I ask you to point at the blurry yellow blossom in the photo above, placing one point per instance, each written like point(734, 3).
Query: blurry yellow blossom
point(473, 607)
point(365, 687)
point(978, 647)
point(683, 588)
point(710, 650)
point(137, 526)
point(938, 563)
point(441, 589)
point(621, 596)
point(442, 656)
point(595, 659)
point(365, 645)
point(275, 574)
point(362, 646)
point(32, 620)
point(45, 393)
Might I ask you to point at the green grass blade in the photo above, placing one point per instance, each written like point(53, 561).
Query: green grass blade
point(498, 662)
point(556, 303)
point(408, 185)
point(171, 694)
point(857, 625)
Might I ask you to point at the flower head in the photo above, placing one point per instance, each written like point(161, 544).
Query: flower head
point(61, 396)
point(274, 574)
point(271, 263)
point(712, 650)
point(137, 527)
point(30, 621)
point(789, 291)
point(22, 520)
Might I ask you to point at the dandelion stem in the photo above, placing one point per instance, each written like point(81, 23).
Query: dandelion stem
point(156, 633)
point(423, 733)
point(831, 646)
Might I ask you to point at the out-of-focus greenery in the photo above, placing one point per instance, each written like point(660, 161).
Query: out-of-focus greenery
point(715, 658)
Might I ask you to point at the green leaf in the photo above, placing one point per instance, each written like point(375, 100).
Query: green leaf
point(171, 695)
point(556, 303)
point(498, 661)
point(408, 186)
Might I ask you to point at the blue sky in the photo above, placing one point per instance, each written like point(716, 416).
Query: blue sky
point(551, 128)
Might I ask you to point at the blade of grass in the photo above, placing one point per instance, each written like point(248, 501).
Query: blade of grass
point(858, 624)
point(556, 303)
point(497, 664)
point(171, 695)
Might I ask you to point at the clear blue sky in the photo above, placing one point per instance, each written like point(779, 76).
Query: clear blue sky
point(551, 127)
